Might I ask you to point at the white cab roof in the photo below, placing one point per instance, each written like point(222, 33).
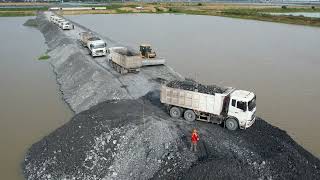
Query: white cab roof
point(97, 42)
point(242, 95)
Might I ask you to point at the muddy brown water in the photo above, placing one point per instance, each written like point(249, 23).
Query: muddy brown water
point(279, 62)
point(30, 102)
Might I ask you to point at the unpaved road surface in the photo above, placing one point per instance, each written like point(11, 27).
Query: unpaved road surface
point(121, 130)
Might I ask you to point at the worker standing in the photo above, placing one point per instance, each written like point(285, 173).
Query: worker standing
point(194, 140)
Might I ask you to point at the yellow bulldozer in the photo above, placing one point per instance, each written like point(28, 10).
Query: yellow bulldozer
point(146, 51)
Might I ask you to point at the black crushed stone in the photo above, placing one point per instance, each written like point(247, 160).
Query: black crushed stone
point(192, 85)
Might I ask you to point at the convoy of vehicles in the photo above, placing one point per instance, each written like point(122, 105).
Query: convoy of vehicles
point(233, 108)
point(62, 23)
point(228, 106)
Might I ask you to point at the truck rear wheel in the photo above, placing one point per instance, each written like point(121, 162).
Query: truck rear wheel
point(231, 124)
point(175, 112)
point(189, 115)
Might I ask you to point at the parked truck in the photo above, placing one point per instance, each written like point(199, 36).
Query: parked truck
point(228, 106)
point(96, 46)
point(124, 60)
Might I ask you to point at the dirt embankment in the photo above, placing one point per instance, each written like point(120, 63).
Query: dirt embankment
point(84, 81)
point(125, 133)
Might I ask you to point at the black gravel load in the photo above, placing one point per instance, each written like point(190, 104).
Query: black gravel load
point(192, 85)
point(126, 52)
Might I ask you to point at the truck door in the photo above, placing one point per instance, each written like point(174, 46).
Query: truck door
point(237, 109)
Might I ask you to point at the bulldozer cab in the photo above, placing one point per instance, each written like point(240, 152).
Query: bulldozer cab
point(146, 51)
point(145, 48)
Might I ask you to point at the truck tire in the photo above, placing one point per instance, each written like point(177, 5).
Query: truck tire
point(232, 124)
point(175, 112)
point(189, 115)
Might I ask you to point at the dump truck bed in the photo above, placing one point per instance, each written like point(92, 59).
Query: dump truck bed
point(125, 58)
point(85, 36)
point(210, 102)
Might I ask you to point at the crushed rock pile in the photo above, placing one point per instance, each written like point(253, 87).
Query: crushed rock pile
point(191, 85)
point(113, 140)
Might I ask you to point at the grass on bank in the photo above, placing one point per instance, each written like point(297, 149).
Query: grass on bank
point(264, 16)
point(11, 12)
point(44, 57)
point(243, 11)
point(17, 13)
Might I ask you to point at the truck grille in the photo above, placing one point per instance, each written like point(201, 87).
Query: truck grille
point(253, 116)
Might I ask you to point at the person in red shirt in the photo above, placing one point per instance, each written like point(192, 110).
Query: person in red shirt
point(194, 140)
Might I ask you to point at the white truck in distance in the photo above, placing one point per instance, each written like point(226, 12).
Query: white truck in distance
point(96, 46)
point(66, 25)
point(54, 18)
point(57, 20)
point(233, 108)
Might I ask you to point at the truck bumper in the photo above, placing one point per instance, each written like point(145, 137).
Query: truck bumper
point(249, 123)
point(98, 54)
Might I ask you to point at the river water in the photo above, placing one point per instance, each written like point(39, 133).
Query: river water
point(279, 62)
point(30, 103)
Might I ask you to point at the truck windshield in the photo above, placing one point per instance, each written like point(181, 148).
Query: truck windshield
point(242, 105)
point(252, 104)
point(102, 45)
point(93, 39)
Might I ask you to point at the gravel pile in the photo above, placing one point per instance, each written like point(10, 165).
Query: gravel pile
point(113, 140)
point(191, 85)
point(126, 52)
point(136, 139)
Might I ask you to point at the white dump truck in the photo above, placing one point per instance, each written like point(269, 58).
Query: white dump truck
point(96, 46)
point(124, 60)
point(228, 106)
point(52, 17)
point(66, 25)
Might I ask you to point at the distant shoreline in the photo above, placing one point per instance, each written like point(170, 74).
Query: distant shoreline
point(253, 11)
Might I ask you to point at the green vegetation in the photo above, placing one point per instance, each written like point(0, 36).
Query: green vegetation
point(16, 13)
point(244, 11)
point(262, 15)
point(44, 57)
point(11, 12)
point(25, 9)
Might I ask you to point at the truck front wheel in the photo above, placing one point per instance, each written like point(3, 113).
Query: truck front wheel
point(175, 112)
point(189, 115)
point(231, 124)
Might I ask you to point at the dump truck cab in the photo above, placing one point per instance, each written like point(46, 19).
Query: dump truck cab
point(146, 51)
point(52, 17)
point(66, 25)
point(97, 46)
point(242, 108)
